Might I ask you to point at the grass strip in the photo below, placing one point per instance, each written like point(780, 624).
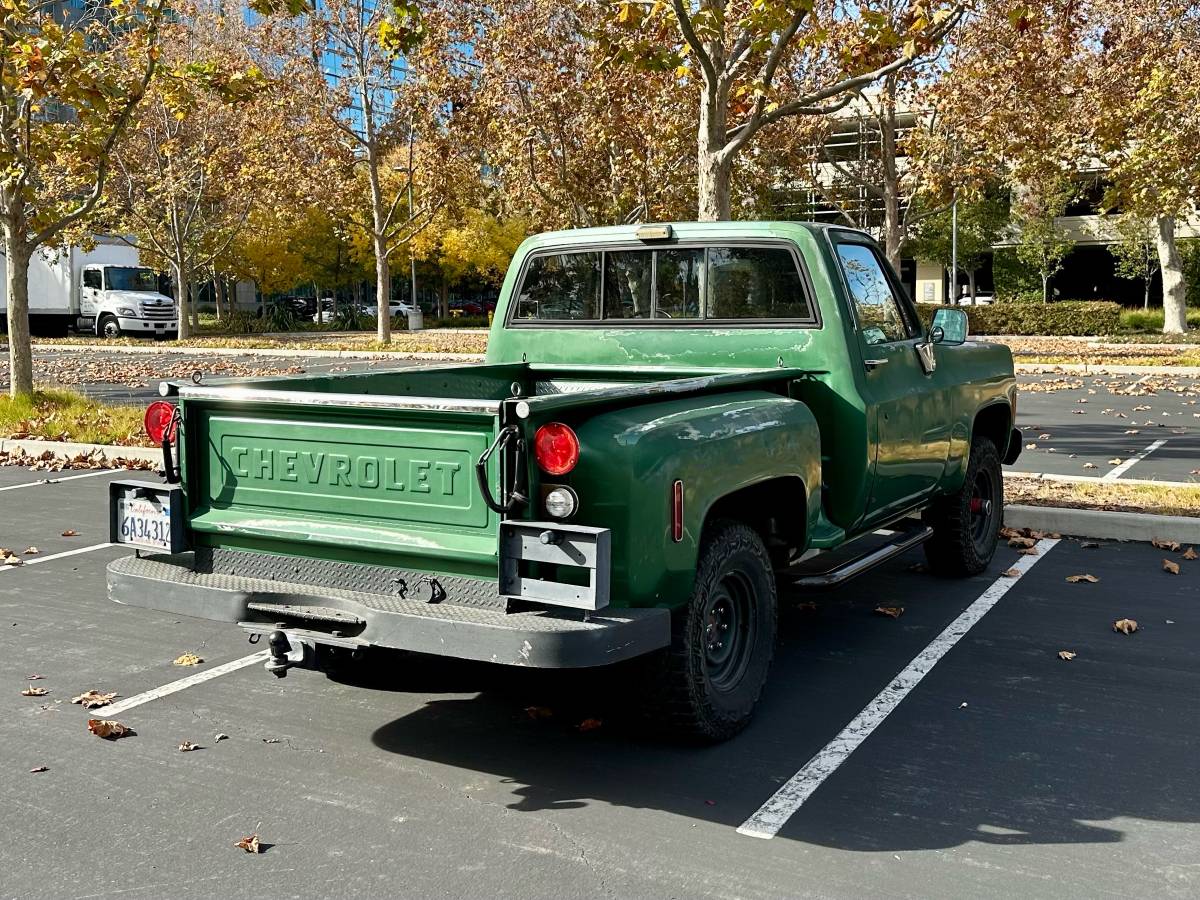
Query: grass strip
point(1119, 496)
point(58, 415)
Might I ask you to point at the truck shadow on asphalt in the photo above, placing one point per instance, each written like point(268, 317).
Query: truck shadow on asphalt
point(1041, 752)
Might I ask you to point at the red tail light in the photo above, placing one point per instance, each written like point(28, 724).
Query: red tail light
point(556, 448)
point(160, 421)
point(677, 512)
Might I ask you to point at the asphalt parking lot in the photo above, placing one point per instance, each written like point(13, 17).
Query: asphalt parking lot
point(1128, 427)
point(1006, 771)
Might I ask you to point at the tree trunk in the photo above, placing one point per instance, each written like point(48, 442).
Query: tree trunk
point(1045, 287)
point(219, 293)
point(893, 227)
point(714, 166)
point(971, 284)
point(444, 298)
point(179, 271)
point(193, 295)
point(1173, 286)
point(1146, 292)
point(383, 293)
point(20, 351)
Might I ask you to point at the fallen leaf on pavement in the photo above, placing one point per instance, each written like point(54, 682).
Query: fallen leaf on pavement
point(893, 612)
point(34, 677)
point(188, 659)
point(1190, 553)
point(539, 712)
point(270, 740)
point(1089, 465)
point(93, 699)
point(1114, 462)
point(1031, 446)
point(32, 691)
point(70, 532)
point(31, 551)
point(250, 844)
point(1125, 626)
point(37, 769)
point(188, 747)
point(1171, 567)
point(1011, 573)
point(221, 736)
point(1029, 551)
point(11, 560)
point(1165, 545)
point(1021, 542)
point(1043, 437)
point(1066, 654)
point(109, 729)
point(589, 724)
point(1075, 579)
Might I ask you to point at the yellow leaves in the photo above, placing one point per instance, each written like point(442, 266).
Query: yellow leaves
point(187, 659)
point(1125, 626)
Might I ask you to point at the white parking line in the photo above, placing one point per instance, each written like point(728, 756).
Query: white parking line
point(773, 814)
point(1114, 474)
point(46, 481)
point(183, 683)
point(45, 559)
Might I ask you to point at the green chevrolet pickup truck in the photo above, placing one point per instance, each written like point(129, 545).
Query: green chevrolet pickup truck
point(672, 421)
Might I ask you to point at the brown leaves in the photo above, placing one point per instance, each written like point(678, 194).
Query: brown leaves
point(1171, 568)
point(1076, 579)
point(1125, 626)
point(1173, 546)
point(892, 612)
point(94, 699)
point(32, 691)
point(8, 558)
point(589, 725)
point(31, 551)
point(1066, 654)
point(539, 712)
point(1021, 543)
point(109, 729)
point(188, 747)
point(249, 843)
point(1190, 553)
point(187, 659)
point(70, 532)
point(1011, 573)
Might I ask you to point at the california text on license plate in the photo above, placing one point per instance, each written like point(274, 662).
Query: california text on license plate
point(144, 521)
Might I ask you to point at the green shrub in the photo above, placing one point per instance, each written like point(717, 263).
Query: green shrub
point(1150, 321)
point(1061, 318)
point(1011, 276)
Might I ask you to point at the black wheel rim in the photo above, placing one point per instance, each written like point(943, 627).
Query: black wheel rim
point(730, 624)
point(983, 509)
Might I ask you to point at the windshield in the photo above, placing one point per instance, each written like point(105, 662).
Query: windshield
point(130, 278)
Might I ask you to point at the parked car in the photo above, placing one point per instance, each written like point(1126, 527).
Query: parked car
point(633, 471)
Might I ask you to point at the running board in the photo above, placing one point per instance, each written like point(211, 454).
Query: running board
point(904, 541)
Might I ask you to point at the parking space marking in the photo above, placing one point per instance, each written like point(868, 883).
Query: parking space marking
point(1124, 467)
point(774, 814)
point(45, 481)
point(184, 683)
point(53, 556)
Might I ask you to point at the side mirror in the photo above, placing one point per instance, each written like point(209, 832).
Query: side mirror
point(949, 327)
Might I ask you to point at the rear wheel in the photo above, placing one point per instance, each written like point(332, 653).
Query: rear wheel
point(707, 684)
point(966, 524)
point(109, 327)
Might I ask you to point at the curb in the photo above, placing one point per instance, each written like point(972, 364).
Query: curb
point(262, 351)
point(1104, 524)
point(69, 449)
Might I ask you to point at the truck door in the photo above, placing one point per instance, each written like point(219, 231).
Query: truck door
point(89, 291)
point(906, 421)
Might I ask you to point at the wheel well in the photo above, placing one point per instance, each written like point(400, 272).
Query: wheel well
point(776, 508)
point(994, 422)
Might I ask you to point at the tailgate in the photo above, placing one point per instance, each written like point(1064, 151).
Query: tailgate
point(389, 485)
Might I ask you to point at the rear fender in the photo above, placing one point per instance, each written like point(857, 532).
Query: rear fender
point(714, 445)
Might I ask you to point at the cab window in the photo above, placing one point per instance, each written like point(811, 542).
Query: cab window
point(881, 318)
point(91, 278)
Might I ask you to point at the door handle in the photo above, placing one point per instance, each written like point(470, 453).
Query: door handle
point(874, 363)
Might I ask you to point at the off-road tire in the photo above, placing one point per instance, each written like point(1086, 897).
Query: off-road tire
point(694, 692)
point(965, 530)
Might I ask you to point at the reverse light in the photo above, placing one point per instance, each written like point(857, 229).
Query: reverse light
point(556, 448)
point(561, 502)
point(160, 421)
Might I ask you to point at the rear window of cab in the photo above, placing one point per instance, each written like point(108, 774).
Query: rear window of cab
point(662, 285)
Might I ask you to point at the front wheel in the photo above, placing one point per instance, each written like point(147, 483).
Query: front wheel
point(966, 524)
point(707, 684)
point(110, 327)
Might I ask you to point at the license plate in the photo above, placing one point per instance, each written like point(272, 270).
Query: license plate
point(144, 521)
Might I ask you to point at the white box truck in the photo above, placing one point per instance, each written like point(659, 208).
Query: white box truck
point(103, 291)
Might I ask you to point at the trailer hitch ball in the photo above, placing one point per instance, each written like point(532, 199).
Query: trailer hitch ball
point(279, 646)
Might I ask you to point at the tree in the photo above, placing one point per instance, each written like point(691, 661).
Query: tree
point(1041, 244)
point(1135, 252)
point(399, 78)
point(68, 92)
point(981, 223)
point(473, 243)
point(754, 64)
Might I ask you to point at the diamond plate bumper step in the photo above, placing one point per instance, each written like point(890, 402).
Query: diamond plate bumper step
point(310, 613)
